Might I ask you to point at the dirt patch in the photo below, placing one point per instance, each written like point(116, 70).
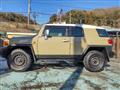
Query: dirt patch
point(40, 86)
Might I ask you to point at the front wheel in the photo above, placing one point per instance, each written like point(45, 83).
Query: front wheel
point(19, 60)
point(94, 61)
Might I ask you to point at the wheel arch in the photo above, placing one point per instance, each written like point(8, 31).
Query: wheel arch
point(100, 48)
point(27, 48)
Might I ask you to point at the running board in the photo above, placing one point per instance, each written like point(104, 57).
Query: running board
point(56, 61)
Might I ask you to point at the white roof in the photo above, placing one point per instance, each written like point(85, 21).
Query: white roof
point(79, 25)
point(17, 33)
point(111, 29)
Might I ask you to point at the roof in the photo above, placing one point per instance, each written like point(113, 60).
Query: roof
point(110, 29)
point(113, 30)
point(17, 33)
point(78, 25)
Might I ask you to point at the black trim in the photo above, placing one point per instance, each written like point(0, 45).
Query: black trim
point(21, 45)
point(59, 56)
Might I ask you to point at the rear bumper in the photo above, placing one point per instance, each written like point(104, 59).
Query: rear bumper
point(3, 51)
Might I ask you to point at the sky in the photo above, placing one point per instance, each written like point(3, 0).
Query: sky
point(45, 8)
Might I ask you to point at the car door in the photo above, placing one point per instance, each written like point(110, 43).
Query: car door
point(56, 45)
point(77, 40)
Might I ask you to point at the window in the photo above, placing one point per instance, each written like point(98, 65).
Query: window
point(76, 32)
point(102, 32)
point(58, 31)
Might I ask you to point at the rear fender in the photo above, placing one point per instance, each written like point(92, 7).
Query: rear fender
point(102, 49)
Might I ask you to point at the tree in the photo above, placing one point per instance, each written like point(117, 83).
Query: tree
point(100, 17)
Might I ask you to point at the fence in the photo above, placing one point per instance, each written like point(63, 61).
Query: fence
point(116, 43)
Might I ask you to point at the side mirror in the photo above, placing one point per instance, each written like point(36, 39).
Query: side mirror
point(47, 33)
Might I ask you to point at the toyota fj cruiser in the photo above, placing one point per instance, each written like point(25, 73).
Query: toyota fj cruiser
point(56, 43)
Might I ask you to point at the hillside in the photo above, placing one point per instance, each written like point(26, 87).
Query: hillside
point(12, 22)
point(14, 17)
point(101, 17)
point(18, 27)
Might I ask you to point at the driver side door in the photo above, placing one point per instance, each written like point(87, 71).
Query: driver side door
point(57, 44)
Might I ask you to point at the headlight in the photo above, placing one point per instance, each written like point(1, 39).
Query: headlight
point(5, 42)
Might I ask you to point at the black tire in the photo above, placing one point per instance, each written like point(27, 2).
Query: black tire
point(19, 60)
point(94, 61)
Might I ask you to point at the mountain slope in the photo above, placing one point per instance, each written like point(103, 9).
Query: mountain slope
point(101, 17)
point(12, 22)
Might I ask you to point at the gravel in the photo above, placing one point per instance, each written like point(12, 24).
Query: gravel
point(60, 78)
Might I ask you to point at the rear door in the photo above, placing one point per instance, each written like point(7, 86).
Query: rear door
point(76, 34)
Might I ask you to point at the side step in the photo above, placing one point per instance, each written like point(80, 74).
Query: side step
point(56, 61)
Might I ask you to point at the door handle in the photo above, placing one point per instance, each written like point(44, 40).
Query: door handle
point(65, 40)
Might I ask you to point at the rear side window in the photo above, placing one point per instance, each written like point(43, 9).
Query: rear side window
point(102, 32)
point(75, 32)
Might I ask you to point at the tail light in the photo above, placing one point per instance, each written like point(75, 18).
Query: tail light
point(5, 42)
point(110, 41)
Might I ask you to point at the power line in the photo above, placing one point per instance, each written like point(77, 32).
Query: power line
point(64, 5)
point(36, 1)
point(76, 1)
point(42, 13)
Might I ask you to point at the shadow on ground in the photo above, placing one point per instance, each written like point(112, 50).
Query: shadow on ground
point(72, 80)
point(69, 84)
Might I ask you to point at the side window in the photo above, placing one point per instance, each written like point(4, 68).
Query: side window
point(57, 31)
point(102, 33)
point(76, 32)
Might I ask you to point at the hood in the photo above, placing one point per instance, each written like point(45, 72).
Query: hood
point(21, 40)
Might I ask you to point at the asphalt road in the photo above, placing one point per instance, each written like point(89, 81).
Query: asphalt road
point(60, 78)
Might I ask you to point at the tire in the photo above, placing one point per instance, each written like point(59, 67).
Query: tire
point(19, 60)
point(94, 61)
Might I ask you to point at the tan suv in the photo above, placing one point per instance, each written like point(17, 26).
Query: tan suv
point(56, 43)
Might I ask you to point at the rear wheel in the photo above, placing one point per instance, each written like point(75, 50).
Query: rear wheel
point(19, 60)
point(94, 61)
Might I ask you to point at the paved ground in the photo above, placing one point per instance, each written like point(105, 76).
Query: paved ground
point(60, 78)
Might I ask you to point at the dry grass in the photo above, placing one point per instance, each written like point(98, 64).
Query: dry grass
point(17, 27)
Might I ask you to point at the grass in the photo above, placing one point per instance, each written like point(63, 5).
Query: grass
point(17, 27)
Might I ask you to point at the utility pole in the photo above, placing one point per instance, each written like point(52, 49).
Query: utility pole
point(70, 17)
point(35, 14)
point(59, 15)
point(29, 10)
